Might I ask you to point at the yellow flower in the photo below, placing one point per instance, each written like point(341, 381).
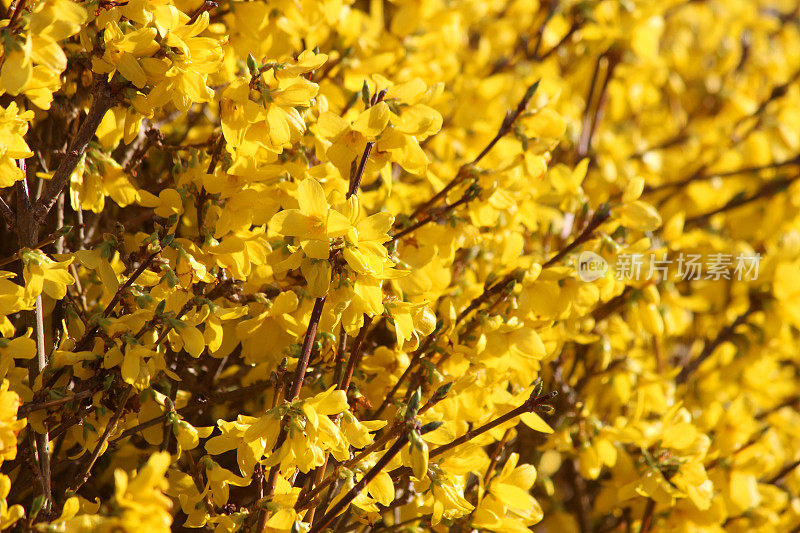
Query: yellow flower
point(13, 126)
point(8, 515)
point(9, 425)
point(314, 224)
point(124, 52)
point(508, 505)
point(43, 275)
point(34, 60)
point(363, 243)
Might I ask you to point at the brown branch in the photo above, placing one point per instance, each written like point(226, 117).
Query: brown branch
point(83, 343)
point(648, 189)
point(340, 349)
point(725, 334)
point(104, 99)
point(529, 405)
point(785, 471)
point(38, 406)
point(15, 10)
point(361, 485)
point(85, 472)
point(297, 384)
point(358, 175)
point(415, 359)
point(600, 216)
point(770, 188)
point(438, 215)
point(153, 137)
point(355, 180)
point(208, 5)
point(308, 343)
point(27, 229)
point(355, 354)
point(465, 170)
point(8, 214)
point(591, 120)
point(377, 444)
point(647, 516)
point(198, 483)
point(49, 240)
point(196, 406)
point(606, 309)
point(576, 25)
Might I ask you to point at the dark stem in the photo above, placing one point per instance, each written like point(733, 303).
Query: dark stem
point(27, 232)
point(31, 407)
point(529, 405)
point(308, 343)
point(784, 472)
point(16, 10)
point(83, 477)
point(376, 445)
point(355, 182)
point(208, 5)
point(725, 334)
point(297, 384)
point(465, 170)
point(104, 100)
point(702, 177)
point(355, 354)
point(647, 516)
point(415, 359)
point(434, 217)
point(8, 214)
point(358, 487)
point(770, 188)
point(600, 216)
point(87, 338)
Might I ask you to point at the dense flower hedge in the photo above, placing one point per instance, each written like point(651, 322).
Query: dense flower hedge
point(413, 265)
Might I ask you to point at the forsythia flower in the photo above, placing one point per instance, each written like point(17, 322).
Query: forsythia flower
point(34, 59)
point(315, 223)
point(10, 426)
point(13, 126)
point(325, 264)
point(138, 502)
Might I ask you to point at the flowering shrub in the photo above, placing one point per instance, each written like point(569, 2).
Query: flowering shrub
point(412, 265)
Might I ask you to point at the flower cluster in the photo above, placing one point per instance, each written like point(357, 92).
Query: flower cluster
point(305, 266)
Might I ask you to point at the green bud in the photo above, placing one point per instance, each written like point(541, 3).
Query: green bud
point(441, 392)
point(252, 66)
point(430, 426)
point(413, 404)
point(365, 94)
point(531, 91)
point(36, 505)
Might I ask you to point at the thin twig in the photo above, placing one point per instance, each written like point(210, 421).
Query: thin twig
point(769, 188)
point(355, 354)
point(83, 343)
point(600, 216)
point(529, 405)
point(465, 170)
point(297, 384)
point(8, 214)
point(38, 406)
point(377, 444)
point(647, 516)
point(83, 477)
point(361, 485)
